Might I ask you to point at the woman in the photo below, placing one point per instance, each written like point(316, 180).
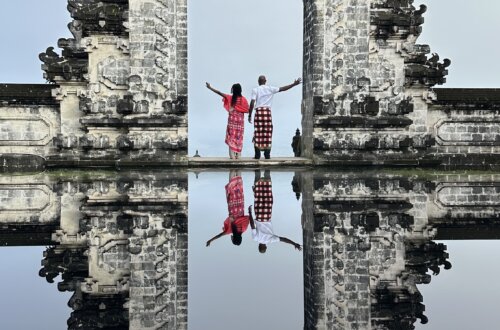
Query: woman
point(237, 222)
point(237, 105)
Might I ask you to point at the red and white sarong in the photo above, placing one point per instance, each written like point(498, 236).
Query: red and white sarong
point(263, 124)
point(235, 130)
point(235, 197)
point(235, 122)
point(263, 204)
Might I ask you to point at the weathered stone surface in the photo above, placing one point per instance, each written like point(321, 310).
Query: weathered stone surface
point(103, 114)
point(368, 96)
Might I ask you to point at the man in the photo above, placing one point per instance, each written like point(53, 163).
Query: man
point(262, 228)
point(262, 100)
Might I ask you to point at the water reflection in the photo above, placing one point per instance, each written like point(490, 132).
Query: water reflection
point(119, 242)
point(262, 227)
point(237, 222)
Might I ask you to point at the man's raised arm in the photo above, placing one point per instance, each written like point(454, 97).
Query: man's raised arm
point(297, 246)
point(295, 83)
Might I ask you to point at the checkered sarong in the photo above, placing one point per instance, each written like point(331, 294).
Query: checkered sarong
point(263, 124)
point(263, 204)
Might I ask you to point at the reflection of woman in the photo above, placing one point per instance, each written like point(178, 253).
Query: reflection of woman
point(237, 105)
point(236, 223)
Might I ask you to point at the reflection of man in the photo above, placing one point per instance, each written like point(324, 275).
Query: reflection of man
point(236, 223)
point(262, 100)
point(262, 228)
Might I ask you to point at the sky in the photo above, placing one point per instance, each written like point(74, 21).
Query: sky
point(466, 296)
point(28, 301)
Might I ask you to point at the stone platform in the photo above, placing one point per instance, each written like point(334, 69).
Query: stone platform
point(223, 162)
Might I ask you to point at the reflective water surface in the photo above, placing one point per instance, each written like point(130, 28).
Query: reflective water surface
point(289, 249)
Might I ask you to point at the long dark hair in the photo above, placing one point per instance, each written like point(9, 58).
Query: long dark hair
point(236, 238)
point(236, 90)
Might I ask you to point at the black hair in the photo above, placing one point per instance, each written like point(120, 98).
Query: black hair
point(237, 238)
point(236, 90)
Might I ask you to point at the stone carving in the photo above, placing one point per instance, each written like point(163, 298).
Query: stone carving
point(396, 18)
point(473, 133)
point(428, 73)
point(383, 109)
point(159, 70)
point(114, 72)
point(71, 66)
point(108, 123)
point(99, 16)
point(29, 131)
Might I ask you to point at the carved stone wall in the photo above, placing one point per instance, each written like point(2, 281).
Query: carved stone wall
point(29, 120)
point(466, 126)
point(120, 90)
point(368, 96)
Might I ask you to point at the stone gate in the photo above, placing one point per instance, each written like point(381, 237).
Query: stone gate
point(118, 91)
point(369, 95)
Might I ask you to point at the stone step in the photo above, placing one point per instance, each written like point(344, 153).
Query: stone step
point(248, 162)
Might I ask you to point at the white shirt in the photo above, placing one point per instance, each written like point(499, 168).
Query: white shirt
point(263, 96)
point(263, 233)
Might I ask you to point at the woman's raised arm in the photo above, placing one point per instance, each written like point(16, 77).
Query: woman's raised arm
point(214, 90)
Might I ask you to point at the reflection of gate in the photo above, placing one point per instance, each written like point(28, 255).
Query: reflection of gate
point(368, 241)
point(120, 240)
point(120, 92)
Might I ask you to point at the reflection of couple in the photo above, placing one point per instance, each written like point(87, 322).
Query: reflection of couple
point(237, 105)
point(237, 222)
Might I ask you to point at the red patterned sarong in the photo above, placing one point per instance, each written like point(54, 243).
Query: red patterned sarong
point(235, 197)
point(235, 131)
point(263, 134)
point(235, 122)
point(263, 204)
